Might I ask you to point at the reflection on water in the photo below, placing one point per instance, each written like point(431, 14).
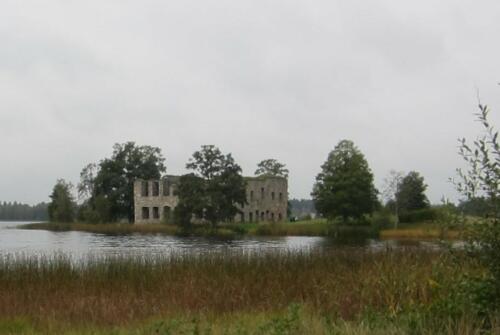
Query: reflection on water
point(79, 244)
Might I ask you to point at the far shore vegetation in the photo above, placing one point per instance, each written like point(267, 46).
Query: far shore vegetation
point(380, 226)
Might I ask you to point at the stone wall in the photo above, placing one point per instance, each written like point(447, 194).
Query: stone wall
point(154, 200)
point(267, 200)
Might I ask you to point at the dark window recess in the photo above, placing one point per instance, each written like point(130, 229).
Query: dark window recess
point(250, 216)
point(145, 213)
point(166, 188)
point(242, 217)
point(156, 189)
point(280, 217)
point(262, 193)
point(281, 196)
point(262, 216)
point(272, 195)
point(145, 189)
point(156, 213)
point(272, 217)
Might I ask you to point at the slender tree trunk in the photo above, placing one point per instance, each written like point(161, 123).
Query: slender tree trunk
point(396, 222)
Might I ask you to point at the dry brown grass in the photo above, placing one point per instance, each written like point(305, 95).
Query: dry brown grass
point(420, 233)
point(122, 291)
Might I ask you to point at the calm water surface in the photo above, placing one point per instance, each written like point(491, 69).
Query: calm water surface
point(14, 240)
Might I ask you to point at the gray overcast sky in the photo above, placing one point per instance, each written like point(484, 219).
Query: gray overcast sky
point(283, 79)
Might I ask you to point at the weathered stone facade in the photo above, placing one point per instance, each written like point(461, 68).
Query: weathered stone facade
point(267, 200)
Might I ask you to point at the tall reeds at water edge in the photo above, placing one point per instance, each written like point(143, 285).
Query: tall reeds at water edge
point(119, 290)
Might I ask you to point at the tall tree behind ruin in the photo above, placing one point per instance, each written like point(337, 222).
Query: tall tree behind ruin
point(111, 189)
point(213, 190)
point(271, 167)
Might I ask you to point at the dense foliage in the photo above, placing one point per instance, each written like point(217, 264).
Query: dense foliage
point(476, 206)
point(481, 179)
point(301, 207)
point(109, 185)
point(411, 193)
point(212, 191)
point(62, 205)
point(344, 188)
point(14, 211)
point(271, 167)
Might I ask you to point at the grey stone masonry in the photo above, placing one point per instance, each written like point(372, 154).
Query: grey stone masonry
point(267, 200)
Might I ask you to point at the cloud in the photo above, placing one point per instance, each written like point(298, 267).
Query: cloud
point(259, 79)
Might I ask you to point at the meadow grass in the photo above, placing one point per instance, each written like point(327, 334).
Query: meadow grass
point(236, 293)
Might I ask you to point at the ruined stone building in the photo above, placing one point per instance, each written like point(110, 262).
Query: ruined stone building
point(267, 200)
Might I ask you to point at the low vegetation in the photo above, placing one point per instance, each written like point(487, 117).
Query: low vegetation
point(378, 226)
point(218, 293)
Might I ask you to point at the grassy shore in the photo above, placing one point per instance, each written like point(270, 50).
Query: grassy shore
point(422, 231)
point(286, 293)
point(318, 227)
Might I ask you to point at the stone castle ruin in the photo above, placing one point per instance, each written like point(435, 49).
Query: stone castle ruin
point(267, 200)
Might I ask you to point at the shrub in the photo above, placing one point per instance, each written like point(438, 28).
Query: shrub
point(427, 214)
point(382, 219)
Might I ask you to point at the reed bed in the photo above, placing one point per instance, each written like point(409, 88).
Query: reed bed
point(122, 291)
point(421, 233)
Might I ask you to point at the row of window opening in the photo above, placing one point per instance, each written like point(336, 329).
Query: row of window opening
point(154, 213)
point(260, 216)
point(155, 189)
point(168, 190)
point(263, 195)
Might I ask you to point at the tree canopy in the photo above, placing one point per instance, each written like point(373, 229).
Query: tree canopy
point(411, 192)
point(344, 187)
point(213, 190)
point(62, 206)
point(271, 167)
point(109, 185)
point(16, 211)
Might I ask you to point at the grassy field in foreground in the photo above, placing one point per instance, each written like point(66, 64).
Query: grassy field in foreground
point(284, 293)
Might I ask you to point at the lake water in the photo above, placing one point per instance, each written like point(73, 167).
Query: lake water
point(17, 241)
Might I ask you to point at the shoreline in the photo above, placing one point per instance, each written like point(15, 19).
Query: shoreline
point(319, 228)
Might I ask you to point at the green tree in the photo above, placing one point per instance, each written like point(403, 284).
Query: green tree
point(481, 179)
point(411, 193)
point(110, 184)
point(271, 167)
point(392, 184)
point(212, 192)
point(344, 187)
point(62, 206)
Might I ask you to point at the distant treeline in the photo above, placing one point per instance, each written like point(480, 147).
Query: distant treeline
point(14, 211)
point(302, 207)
